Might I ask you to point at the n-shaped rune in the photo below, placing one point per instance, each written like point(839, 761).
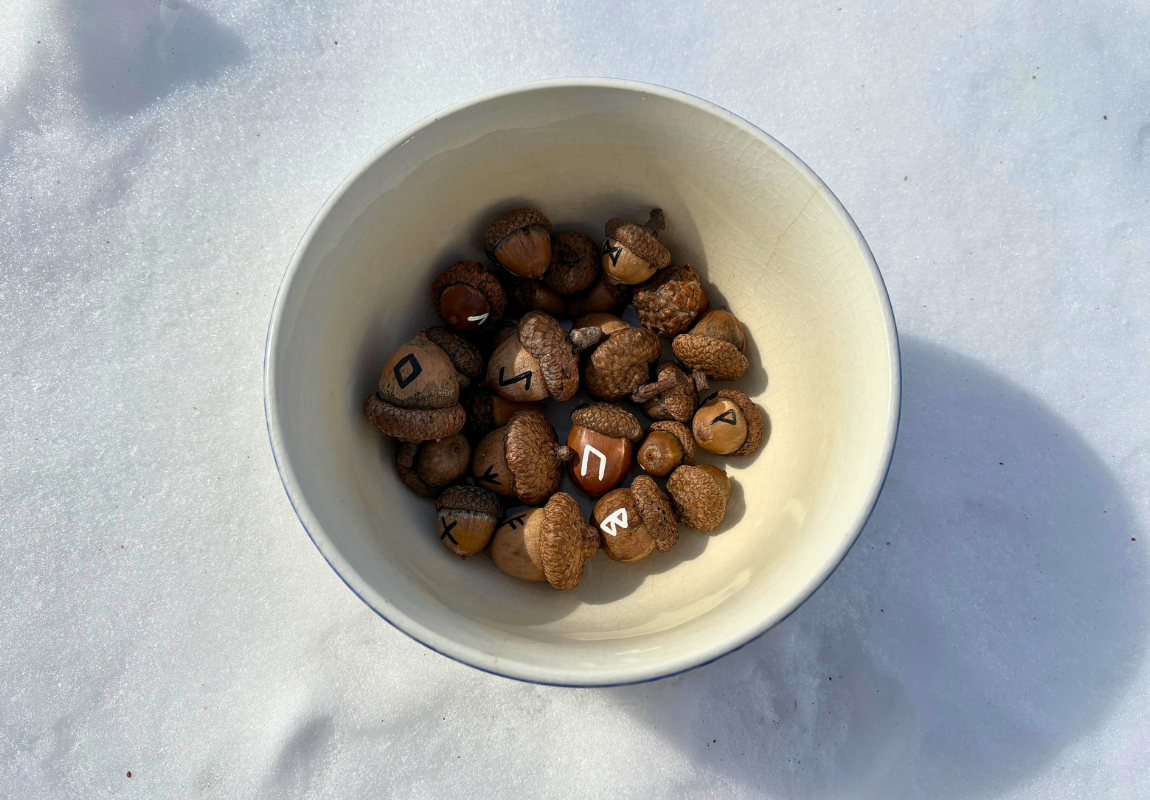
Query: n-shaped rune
point(447, 530)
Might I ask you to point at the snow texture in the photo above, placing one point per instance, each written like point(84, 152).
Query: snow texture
point(164, 613)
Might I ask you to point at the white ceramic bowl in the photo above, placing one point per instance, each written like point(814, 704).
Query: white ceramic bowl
point(770, 240)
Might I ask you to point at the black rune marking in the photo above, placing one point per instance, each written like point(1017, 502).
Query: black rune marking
point(490, 477)
point(727, 416)
point(614, 252)
point(416, 369)
point(447, 530)
point(522, 376)
point(514, 520)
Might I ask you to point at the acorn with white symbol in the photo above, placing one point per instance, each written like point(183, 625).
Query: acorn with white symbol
point(540, 360)
point(632, 252)
point(418, 396)
point(603, 437)
point(728, 424)
point(635, 521)
point(521, 460)
point(466, 518)
point(550, 544)
point(468, 297)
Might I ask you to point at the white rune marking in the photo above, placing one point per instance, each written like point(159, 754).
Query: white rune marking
point(587, 451)
point(480, 319)
point(615, 521)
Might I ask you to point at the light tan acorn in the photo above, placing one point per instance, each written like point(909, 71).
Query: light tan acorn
point(467, 517)
point(669, 302)
point(520, 240)
point(418, 396)
point(521, 460)
point(699, 496)
point(468, 297)
point(540, 361)
point(602, 437)
point(728, 423)
point(635, 521)
point(714, 347)
point(550, 544)
point(632, 253)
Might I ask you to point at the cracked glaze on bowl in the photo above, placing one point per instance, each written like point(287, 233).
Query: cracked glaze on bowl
point(769, 239)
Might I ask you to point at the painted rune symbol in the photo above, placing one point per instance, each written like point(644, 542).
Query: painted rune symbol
point(480, 319)
point(587, 451)
point(513, 520)
point(447, 530)
point(416, 368)
point(522, 376)
point(727, 416)
point(489, 477)
point(614, 252)
point(616, 520)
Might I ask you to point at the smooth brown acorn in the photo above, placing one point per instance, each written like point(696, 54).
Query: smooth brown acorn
point(606, 295)
point(602, 438)
point(418, 396)
point(467, 296)
point(550, 544)
point(520, 240)
point(728, 423)
point(574, 263)
point(427, 467)
point(635, 521)
point(466, 518)
point(632, 253)
point(668, 445)
point(540, 361)
point(521, 460)
point(714, 347)
point(524, 295)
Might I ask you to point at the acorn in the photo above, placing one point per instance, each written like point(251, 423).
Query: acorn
point(714, 346)
point(463, 354)
point(620, 364)
point(602, 437)
point(426, 467)
point(632, 253)
point(669, 302)
point(467, 517)
point(633, 522)
point(540, 361)
point(699, 496)
point(608, 323)
point(550, 544)
point(487, 411)
point(521, 460)
point(728, 424)
point(605, 295)
point(524, 295)
point(668, 445)
point(673, 395)
point(467, 296)
point(520, 240)
point(575, 263)
point(418, 396)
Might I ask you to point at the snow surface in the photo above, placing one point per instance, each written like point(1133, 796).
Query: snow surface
point(164, 613)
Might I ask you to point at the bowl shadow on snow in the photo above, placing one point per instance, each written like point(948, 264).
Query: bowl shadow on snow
point(981, 623)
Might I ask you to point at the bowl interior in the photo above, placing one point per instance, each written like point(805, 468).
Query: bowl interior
point(770, 242)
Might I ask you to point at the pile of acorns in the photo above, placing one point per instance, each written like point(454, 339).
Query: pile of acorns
point(466, 398)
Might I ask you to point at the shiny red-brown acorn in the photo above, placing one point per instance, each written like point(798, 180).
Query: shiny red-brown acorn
point(603, 437)
point(468, 297)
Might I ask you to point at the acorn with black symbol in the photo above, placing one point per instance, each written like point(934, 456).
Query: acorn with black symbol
point(540, 360)
point(550, 544)
point(632, 253)
point(418, 396)
point(603, 437)
point(522, 460)
point(466, 518)
point(728, 424)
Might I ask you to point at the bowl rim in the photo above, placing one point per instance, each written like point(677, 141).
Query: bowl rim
point(536, 673)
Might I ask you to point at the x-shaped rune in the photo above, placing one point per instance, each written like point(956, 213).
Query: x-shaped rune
point(447, 530)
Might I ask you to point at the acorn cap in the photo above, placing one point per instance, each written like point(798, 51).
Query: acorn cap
point(509, 223)
point(414, 424)
point(656, 512)
point(680, 432)
point(405, 466)
point(470, 498)
point(463, 354)
point(698, 499)
point(640, 239)
point(720, 360)
point(750, 413)
point(677, 402)
point(566, 541)
point(476, 402)
point(532, 453)
point(477, 276)
point(544, 338)
point(669, 302)
point(621, 363)
point(609, 420)
point(575, 262)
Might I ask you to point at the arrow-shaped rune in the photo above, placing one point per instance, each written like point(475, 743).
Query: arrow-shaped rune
point(616, 520)
point(522, 376)
point(614, 252)
point(587, 451)
point(515, 520)
point(447, 530)
point(727, 416)
point(489, 477)
point(480, 319)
